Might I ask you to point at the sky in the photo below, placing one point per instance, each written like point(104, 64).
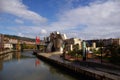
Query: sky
point(84, 19)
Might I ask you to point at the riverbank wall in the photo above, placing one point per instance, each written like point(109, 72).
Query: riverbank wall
point(5, 53)
point(87, 74)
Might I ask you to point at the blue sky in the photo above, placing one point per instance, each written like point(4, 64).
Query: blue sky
point(85, 19)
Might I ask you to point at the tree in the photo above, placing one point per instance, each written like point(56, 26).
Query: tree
point(76, 51)
point(24, 46)
point(115, 53)
point(76, 47)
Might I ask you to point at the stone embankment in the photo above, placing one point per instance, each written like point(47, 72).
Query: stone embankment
point(5, 53)
point(93, 73)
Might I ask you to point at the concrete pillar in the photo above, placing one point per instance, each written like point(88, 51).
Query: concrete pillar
point(94, 45)
point(118, 41)
point(61, 50)
point(71, 47)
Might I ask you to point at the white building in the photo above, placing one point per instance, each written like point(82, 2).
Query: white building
point(8, 46)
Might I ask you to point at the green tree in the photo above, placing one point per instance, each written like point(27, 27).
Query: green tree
point(24, 46)
point(96, 51)
point(115, 53)
point(76, 51)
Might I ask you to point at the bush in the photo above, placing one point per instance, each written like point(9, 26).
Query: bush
point(75, 52)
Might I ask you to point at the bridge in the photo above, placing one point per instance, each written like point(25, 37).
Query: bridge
point(19, 44)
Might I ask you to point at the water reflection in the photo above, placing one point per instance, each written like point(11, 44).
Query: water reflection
point(6, 57)
point(1, 65)
point(17, 55)
point(37, 62)
point(24, 66)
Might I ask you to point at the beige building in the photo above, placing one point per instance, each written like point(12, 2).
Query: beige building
point(69, 43)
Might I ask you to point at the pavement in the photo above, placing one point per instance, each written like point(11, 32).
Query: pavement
point(92, 66)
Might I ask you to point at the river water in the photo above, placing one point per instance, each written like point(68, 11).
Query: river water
point(25, 66)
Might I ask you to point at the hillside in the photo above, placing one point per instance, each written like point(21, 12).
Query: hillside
point(19, 38)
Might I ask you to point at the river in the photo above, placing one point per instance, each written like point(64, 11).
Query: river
point(25, 66)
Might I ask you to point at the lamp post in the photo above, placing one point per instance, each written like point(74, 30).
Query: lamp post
point(64, 51)
point(84, 50)
point(101, 54)
point(101, 45)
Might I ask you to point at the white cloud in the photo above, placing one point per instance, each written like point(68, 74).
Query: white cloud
point(19, 21)
point(17, 8)
point(96, 20)
point(29, 31)
point(43, 31)
point(20, 34)
point(101, 20)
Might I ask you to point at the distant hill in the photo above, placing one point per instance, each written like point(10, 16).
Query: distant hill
point(19, 38)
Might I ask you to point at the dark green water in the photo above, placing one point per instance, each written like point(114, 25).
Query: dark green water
point(25, 66)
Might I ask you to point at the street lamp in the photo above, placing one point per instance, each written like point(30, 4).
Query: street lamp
point(84, 50)
point(101, 45)
point(101, 53)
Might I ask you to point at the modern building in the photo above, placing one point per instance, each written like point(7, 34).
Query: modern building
point(54, 42)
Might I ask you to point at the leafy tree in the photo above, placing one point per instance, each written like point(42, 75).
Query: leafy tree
point(115, 53)
point(76, 47)
point(96, 51)
point(24, 46)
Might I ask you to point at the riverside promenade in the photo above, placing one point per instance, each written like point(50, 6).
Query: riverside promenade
point(91, 69)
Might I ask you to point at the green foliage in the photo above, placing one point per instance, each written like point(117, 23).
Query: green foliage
point(24, 46)
point(76, 47)
point(115, 53)
point(96, 51)
point(100, 43)
point(28, 46)
point(72, 53)
point(75, 52)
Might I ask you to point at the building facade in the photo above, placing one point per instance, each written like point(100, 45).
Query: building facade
point(54, 42)
point(69, 43)
point(1, 42)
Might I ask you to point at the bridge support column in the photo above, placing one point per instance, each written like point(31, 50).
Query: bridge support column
point(22, 49)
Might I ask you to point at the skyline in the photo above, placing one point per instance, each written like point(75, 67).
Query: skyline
point(85, 19)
